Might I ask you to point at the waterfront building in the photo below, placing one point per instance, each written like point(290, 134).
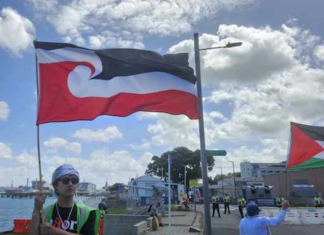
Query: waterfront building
point(36, 184)
point(86, 188)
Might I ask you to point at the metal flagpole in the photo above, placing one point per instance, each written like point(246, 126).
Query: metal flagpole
point(202, 139)
point(169, 172)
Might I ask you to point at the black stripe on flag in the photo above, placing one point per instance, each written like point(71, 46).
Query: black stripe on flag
point(314, 132)
point(127, 62)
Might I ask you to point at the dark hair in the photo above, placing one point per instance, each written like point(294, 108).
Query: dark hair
point(56, 192)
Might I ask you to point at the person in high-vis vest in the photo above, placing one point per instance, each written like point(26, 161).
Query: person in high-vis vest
point(279, 201)
point(241, 204)
point(318, 201)
point(65, 216)
point(226, 204)
point(215, 201)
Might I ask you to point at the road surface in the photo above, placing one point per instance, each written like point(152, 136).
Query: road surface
point(228, 225)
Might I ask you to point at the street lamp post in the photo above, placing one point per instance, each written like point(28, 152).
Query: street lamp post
point(202, 130)
point(222, 179)
point(185, 180)
point(234, 179)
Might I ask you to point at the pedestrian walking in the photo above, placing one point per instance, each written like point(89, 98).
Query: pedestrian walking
point(215, 201)
point(226, 204)
point(253, 224)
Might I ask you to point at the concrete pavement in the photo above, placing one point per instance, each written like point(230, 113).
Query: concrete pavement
point(181, 222)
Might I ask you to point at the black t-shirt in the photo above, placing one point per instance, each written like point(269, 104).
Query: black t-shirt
point(71, 224)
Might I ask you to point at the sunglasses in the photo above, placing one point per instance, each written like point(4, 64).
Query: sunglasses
point(66, 180)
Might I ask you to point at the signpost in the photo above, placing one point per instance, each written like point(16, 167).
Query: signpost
point(216, 152)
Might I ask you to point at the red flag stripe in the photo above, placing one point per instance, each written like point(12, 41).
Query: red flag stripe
point(58, 104)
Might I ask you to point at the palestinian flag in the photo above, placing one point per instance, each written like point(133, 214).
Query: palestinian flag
point(76, 83)
point(306, 148)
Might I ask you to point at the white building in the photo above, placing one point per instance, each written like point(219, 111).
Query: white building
point(86, 188)
point(249, 169)
point(142, 187)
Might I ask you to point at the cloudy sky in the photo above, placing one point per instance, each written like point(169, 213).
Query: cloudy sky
point(251, 93)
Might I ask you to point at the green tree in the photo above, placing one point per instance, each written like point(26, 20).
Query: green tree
point(115, 187)
point(181, 157)
point(225, 176)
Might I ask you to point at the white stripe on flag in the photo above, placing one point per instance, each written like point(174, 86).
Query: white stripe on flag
point(81, 85)
point(320, 155)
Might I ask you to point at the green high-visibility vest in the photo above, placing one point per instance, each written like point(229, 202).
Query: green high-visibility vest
point(319, 200)
point(215, 199)
point(83, 213)
point(227, 199)
point(241, 201)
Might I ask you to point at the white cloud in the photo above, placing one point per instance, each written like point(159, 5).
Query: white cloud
point(101, 135)
point(102, 165)
point(57, 143)
point(269, 151)
point(48, 5)
point(128, 20)
point(27, 160)
point(319, 52)
point(269, 51)
point(216, 114)
point(100, 41)
point(172, 131)
point(266, 109)
point(264, 84)
point(144, 145)
point(5, 151)
point(4, 111)
point(12, 27)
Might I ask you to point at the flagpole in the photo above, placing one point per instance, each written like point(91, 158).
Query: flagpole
point(169, 172)
point(202, 139)
point(38, 142)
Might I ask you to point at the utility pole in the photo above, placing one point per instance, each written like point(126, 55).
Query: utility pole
point(185, 180)
point(202, 129)
point(222, 179)
point(202, 140)
point(234, 180)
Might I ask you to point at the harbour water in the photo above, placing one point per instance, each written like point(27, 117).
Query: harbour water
point(22, 208)
point(16, 208)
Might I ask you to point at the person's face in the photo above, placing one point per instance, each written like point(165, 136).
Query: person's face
point(67, 185)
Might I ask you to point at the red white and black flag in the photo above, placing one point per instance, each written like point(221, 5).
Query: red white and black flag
point(81, 84)
point(306, 148)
